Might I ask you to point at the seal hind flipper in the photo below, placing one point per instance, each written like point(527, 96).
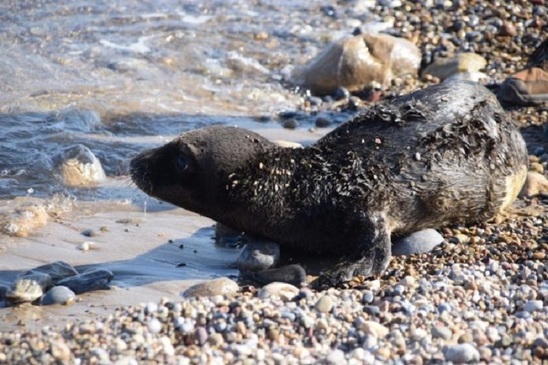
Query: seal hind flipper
point(371, 258)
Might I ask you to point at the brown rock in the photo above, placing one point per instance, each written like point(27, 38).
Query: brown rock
point(534, 185)
point(508, 29)
point(466, 62)
point(366, 60)
point(526, 87)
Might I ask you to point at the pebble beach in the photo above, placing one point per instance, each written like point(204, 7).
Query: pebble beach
point(479, 297)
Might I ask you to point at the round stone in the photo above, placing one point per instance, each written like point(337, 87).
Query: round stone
point(210, 288)
point(58, 295)
point(335, 357)
point(282, 290)
point(417, 242)
point(324, 304)
point(461, 353)
point(533, 306)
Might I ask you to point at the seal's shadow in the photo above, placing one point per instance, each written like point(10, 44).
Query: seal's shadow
point(196, 257)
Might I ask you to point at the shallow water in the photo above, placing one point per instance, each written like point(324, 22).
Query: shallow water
point(121, 76)
point(108, 73)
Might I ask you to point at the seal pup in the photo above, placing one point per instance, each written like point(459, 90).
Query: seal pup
point(444, 154)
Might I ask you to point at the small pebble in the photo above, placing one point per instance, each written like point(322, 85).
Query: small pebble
point(335, 357)
point(154, 326)
point(89, 233)
point(441, 332)
point(324, 304)
point(283, 290)
point(373, 328)
point(322, 122)
point(461, 353)
point(86, 246)
point(533, 306)
point(290, 124)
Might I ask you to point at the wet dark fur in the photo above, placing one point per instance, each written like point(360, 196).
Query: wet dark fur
point(436, 156)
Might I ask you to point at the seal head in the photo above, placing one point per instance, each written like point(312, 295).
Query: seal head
point(191, 171)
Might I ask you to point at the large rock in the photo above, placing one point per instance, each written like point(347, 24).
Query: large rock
point(358, 62)
point(88, 281)
point(57, 270)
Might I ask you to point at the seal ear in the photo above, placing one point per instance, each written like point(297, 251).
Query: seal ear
point(371, 258)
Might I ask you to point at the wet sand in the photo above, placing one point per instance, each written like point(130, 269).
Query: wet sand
point(140, 243)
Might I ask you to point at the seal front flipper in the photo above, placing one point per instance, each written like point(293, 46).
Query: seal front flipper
point(371, 257)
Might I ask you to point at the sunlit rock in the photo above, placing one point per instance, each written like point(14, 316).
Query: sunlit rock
point(358, 62)
point(22, 217)
point(78, 166)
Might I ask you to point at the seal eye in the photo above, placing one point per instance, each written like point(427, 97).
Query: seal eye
point(182, 163)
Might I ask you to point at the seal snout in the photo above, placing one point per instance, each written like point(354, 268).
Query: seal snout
point(140, 171)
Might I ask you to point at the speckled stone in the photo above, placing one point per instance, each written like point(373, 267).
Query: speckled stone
point(28, 288)
point(259, 255)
